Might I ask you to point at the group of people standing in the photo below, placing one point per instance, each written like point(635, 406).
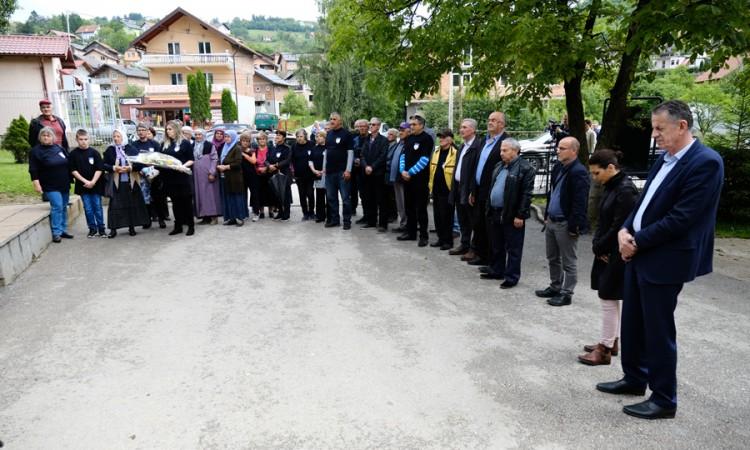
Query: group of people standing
point(644, 247)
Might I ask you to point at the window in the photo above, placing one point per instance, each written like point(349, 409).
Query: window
point(204, 47)
point(173, 48)
point(113, 75)
point(209, 78)
point(176, 78)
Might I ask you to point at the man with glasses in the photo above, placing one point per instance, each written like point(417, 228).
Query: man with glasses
point(372, 161)
point(565, 220)
point(338, 171)
point(414, 172)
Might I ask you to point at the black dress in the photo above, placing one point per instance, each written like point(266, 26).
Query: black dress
point(178, 184)
point(618, 200)
point(126, 207)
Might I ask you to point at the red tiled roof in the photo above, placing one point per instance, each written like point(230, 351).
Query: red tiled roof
point(34, 45)
point(730, 66)
point(87, 29)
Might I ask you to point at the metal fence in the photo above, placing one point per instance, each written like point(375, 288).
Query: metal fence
point(93, 110)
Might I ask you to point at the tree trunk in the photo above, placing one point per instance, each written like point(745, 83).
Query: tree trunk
point(576, 119)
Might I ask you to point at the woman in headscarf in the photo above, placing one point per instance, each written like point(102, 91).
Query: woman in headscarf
point(48, 167)
point(234, 203)
point(207, 195)
point(177, 184)
point(126, 206)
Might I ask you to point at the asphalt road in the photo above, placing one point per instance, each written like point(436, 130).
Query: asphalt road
point(289, 335)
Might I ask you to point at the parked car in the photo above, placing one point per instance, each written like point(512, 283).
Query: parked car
point(539, 152)
point(129, 126)
point(265, 121)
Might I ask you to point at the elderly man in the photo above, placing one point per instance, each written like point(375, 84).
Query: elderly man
point(361, 137)
point(508, 208)
point(372, 161)
point(565, 220)
point(338, 170)
point(442, 165)
point(479, 187)
point(47, 119)
point(460, 191)
point(667, 241)
point(415, 174)
point(394, 175)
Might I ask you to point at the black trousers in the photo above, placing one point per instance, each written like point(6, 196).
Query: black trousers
point(442, 212)
point(285, 208)
point(506, 244)
point(375, 200)
point(354, 189)
point(416, 198)
point(158, 209)
point(306, 195)
point(182, 205)
point(465, 220)
point(320, 205)
point(479, 241)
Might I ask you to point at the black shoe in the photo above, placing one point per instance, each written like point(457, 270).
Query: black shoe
point(347, 226)
point(102, 234)
point(190, 231)
point(507, 285)
point(484, 269)
point(436, 244)
point(261, 216)
point(406, 237)
point(56, 239)
point(547, 292)
point(382, 229)
point(460, 250)
point(319, 220)
point(91, 234)
point(477, 262)
point(230, 222)
point(65, 235)
point(332, 224)
point(240, 222)
point(491, 276)
point(560, 300)
point(620, 387)
point(162, 224)
point(112, 234)
point(649, 410)
point(446, 246)
point(399, 230)
point(361, 221)
point(175, 231)
point(367, 225)
point(422, 242)
point(131, 231)
point(147, 226)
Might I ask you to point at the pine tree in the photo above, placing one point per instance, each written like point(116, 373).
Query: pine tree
point(228, 107)
point(16, 139)
point(199, 91)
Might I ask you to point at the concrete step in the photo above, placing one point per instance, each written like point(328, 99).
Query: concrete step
point(25, 234)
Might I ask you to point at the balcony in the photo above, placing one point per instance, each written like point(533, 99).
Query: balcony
point(181, 89)
point(188, 60)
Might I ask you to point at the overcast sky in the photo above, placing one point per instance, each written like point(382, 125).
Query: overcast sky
point(207, 10)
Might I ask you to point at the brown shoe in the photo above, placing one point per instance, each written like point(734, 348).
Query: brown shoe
point(469, 256)
point(601, 355)
point(615, 348)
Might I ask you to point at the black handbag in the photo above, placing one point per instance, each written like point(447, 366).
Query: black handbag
point(109, 186)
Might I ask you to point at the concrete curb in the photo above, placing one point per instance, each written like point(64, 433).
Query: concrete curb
point(538, 213)
point(27, 244)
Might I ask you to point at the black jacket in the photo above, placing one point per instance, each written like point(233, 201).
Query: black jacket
point(519, 187)
point(36, 126)
point(482, 190)
point(574, 196)
point(468, 167)
point(300, 158)
point(374, 154)
point(281, 155)
point(618, 200)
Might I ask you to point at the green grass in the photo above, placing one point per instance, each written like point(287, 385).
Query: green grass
point(15, 184)
point(732, 230)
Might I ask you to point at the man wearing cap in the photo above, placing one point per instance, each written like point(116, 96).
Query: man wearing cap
point(47, 119)
point(442, 164)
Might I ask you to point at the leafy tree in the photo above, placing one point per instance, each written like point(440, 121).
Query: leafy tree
point(294, 104)
point(137, 17)
point(7, 8)
point(707, 101)
point(133, 90)
point(737, 116)
point(228, 107)
point(16, 139)
point(199, 91)
point(115, 37)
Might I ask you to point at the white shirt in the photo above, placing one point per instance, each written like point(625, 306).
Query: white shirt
point(669, 163)
point(457, 171)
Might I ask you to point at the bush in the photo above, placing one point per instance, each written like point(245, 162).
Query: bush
point(734, 205)
point(17, 139)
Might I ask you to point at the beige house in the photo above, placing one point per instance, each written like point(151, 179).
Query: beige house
point(270, 90)
point(115, 77)
point(181, 44)
point(131, 57)
point(32, 68)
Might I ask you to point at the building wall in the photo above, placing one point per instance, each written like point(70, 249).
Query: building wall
point(21, 87)
point(272, 95)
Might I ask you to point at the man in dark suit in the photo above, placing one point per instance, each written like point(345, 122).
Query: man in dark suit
point(372, 161)
point(667, 241)
point(564, 221)
point(459, 196)
point(484, 162)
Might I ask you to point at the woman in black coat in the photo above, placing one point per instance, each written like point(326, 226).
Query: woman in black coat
point(126, 206)
point(618, 200)
point(178, 184)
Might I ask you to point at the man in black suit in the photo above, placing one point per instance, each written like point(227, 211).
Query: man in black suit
point(667, 241)
point(372, 161)
point(479, 187)
point(459, 196)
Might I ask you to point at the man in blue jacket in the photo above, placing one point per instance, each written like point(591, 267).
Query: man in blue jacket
point(565, 220)
point(667, 241)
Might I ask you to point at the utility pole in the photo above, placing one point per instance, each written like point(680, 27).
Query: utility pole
point(450, 101)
